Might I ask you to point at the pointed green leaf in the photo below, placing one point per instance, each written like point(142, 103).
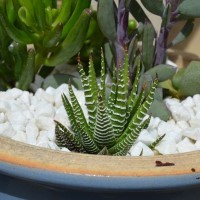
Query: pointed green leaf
point(65, 138)
point(103, 132)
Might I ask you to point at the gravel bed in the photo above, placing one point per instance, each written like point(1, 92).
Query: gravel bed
point(29, 118)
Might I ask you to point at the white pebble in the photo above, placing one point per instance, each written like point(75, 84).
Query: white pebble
point(140, 148)
point(4, 106)
point(154, 122)
point(196, 99)
point(146, 138)
point(180, 113)
point(17, 120)
point(6, 130)
point(166, 147)
point(50, 91)
point(49, 135)
point(2, 117)
point(185, 146)
point(182, 124)
point(14, 93)
point(20, 136)
point(26, 98)
point(194, 123)
point(197, 145)
point(192, 133)
point(44, 109)
point(188, 102)
point(45, 123)
point(31, 132)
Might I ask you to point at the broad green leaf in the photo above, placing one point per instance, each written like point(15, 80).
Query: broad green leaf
point(190, 81)
point(159, 109)
point(163, 72)
point(137, 11)
point(190, 8)
point(57, 79)
point(106, 19)
point(156, 7)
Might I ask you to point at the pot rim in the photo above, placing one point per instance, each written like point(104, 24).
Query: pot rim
point(32, 157)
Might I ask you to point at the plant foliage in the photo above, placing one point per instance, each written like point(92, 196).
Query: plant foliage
point(114, 122)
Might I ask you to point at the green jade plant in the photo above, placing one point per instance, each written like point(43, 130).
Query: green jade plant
point(54, 33)
point(114, 121)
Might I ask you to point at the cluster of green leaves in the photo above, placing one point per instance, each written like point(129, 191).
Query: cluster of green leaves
point(113, 22)
point(114, 121)
point(54, 33)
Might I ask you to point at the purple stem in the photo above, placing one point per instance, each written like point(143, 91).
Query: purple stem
point(122, 36)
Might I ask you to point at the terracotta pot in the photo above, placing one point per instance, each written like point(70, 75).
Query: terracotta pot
point(29, 172)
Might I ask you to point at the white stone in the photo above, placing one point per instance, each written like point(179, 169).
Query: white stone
point(20, 136)
point(154, 122)
point(6, 130)
point(145, 137)
point(32, 132)
point(42, 138)
point(173, 136)
point(49, 135)
point(196, 99)
point(166, 147)
point(28, 114)
point(25, 98)
point(42, 95)
point(197, 145)
point(14, 93)
point(182, 124)
point(165, 127)
point(188, 102)
point(2, 117)
point(51, 91)
point(45, 123)
point(4, 106)
point(17, 120)
point(194, 123)
point(192, 133)
point(44, 109)
point(140, 148)
point(180, 113)
point(185, 146)
point(64, 149)
point(172, 102)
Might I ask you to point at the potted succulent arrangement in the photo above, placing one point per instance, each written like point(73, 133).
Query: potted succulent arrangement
point(123, 93)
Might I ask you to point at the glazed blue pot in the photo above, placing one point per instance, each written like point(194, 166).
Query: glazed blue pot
point(28, 172)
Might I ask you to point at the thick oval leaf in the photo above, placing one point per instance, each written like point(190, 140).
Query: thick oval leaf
point(190, 8)
point(163, 72)
point(148, 47)
point(137, 11)
point(106, 19)
point(159, 109)
point(190, 80)
point(156, 7)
